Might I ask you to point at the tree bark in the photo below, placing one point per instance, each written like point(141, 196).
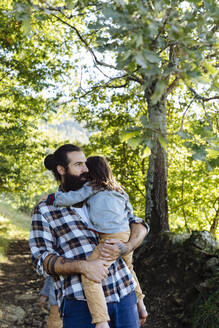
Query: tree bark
point(156, 184)
point(215, 223)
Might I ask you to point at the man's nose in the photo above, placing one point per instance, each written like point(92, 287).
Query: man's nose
point(85, 169)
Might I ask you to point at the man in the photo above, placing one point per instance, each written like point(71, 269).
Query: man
point(60, 242)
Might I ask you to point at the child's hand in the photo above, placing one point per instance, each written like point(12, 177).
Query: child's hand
point(42, 301)
point(44, 197)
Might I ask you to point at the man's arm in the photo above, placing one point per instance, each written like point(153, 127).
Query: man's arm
point(138, 233)
point(114, 248)
point(57, 265)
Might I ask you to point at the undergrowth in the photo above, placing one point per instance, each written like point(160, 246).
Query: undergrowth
point(13, 225)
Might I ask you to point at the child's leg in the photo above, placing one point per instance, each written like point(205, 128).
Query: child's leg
point(128, 261)
point(94, 291)
point(54, 320)
point(95, 295)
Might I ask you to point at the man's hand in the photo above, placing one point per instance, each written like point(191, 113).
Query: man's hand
point(95, 270)
point(111, 249)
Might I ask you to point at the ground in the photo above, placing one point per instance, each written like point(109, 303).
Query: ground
point(19, 289)
point(173, 270)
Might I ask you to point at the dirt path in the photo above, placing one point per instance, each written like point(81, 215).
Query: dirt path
point(19, 289)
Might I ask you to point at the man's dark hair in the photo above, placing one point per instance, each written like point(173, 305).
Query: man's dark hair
point(59, 157)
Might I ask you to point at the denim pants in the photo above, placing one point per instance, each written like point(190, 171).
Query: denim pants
point(123, 314)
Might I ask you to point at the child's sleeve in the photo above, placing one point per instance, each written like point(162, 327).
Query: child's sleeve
point(73, 197)
point(46, 287)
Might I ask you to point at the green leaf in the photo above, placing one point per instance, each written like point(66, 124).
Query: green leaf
point(151, 57)
point(144, 120)
point(149, 143)
point(140, 60)
point(126, 135)
point(199, 155)
point(213, 163)
point(26, 25)
point(188, 144)
point(158, 92)
point(135, 142)
point(183, 134)
point(70, 4)
point(162, 141)
point(146, 152)
point(139, 40)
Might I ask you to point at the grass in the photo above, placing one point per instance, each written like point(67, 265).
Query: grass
point(14, 225)
point(206, 312)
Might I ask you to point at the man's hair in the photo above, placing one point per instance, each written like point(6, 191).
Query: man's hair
point(59, 157)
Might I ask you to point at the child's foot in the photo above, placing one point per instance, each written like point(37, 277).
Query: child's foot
point(102, 325)
point(142, 312)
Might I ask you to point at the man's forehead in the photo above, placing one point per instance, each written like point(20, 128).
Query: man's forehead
point(76, 156)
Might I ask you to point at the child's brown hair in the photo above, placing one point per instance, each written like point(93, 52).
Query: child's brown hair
point(100, 174)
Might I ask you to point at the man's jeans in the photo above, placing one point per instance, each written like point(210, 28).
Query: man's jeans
point(123, 314)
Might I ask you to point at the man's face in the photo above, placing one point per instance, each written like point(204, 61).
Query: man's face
point(77, 162)
point(76, 174)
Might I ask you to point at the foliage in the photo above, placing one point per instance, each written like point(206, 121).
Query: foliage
point(31, 84)
point(13, 225)
point(206, 307)
point(192, 192)
point(142, 50)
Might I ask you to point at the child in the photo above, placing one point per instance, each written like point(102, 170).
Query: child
point(108, 207)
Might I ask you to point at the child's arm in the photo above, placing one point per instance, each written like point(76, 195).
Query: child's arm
point(73, 197)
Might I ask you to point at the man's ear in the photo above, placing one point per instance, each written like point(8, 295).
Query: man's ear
point(60, 169)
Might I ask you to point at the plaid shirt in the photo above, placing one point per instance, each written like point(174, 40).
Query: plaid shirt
point(63, 232)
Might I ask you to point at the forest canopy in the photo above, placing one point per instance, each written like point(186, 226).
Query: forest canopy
point(140, 76)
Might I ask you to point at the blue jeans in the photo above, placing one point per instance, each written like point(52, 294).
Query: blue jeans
point(123, 314)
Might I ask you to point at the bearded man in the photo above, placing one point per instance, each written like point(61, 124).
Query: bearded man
point(60, 243)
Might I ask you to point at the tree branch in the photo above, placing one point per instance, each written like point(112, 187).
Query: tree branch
point(4, 75)
point(163, 25)
point(184, 114)
point(206, 114)
point(98, 62)
point(201, 97)
point(173, 84)
point(106, 85)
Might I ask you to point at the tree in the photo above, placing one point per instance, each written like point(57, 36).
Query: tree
point(156, 46)
point(192, 191)
point(29, 66)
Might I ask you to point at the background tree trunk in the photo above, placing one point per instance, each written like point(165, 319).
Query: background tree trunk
point(156, 185)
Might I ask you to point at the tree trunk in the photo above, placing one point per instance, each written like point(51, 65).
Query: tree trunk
point(215, 224)
point(156, 185)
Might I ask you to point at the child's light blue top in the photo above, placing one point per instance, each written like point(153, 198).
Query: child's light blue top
point(109, 211)
point(49, 291)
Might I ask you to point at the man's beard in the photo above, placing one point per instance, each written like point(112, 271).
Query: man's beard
point(74, 182)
